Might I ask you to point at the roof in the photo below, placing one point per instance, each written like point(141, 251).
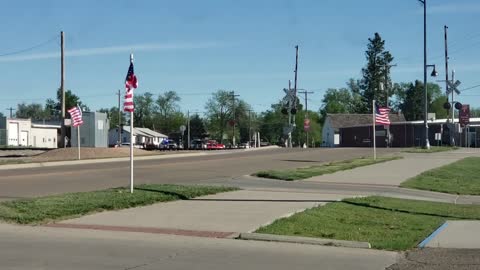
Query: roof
point(341, 120)
point(152, 132)
point(146, 132)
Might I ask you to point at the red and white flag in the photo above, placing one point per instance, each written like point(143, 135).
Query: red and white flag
point(381, 115)
point(76, 115)
point(130, 84)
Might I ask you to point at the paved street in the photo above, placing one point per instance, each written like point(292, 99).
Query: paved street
point(261, 202)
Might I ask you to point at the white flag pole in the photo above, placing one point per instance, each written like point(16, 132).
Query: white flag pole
point(131, 141)
point(374, 135)
point(78, 138)
point(131, 152)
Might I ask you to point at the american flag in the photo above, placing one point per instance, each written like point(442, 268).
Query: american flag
point(381, 115)
point(76, 114)
point(130, 84)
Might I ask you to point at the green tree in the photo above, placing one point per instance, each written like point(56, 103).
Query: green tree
point(411, 100)
point(168, 116)
point(144, 110)
point(54, 108)
point(34, 111)
point(218, 111)
point(374, 73)
point(112, 115)
point(197, 127)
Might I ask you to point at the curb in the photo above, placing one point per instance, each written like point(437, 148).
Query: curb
point(432, 235)
point(90, 161)
point(303, 240)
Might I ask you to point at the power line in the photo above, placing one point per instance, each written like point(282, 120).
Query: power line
point(30, 48)
point(469, 88)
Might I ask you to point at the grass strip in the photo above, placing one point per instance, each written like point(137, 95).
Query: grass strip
point(433, 149)
point(461, 177)
point(386, 223)
point(307, 172)
point(70, 205)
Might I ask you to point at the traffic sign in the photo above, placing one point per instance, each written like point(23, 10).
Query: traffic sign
point(453, 87)
point(306, 124)
point(464, 115)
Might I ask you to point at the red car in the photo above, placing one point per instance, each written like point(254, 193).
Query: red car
point(214, 145)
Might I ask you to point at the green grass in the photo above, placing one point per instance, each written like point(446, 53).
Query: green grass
point(433, 149)
point(307, 172)
point(461, 177)
point(59, 207)
point(386, 223)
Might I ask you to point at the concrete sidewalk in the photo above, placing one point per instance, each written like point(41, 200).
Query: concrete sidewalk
point(230, 212)
point(393, 173)
point(456, 234)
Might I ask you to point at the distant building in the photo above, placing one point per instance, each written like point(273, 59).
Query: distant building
point(141, 136)
point(23, 133)
point(331, 135)
point(93, 132)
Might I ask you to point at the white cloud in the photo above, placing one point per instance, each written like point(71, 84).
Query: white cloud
point(454, 8)
point(110, 50)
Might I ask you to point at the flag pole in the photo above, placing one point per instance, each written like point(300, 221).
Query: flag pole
point(131, 141)
point(78, 138)
point(374, 135)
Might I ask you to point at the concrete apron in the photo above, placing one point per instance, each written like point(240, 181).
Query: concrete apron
point(234, 212)
point(456, 234)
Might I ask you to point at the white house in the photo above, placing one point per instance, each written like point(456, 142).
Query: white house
point(156, 137)
point(141, 136)
point(21, 132)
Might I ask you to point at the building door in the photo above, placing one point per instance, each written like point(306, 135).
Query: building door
point(23, 138)
point(13, 134)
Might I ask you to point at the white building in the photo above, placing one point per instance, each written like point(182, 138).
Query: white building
point(141, 136)
point(21, 132)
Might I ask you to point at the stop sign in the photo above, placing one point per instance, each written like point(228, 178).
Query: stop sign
point(306, 124)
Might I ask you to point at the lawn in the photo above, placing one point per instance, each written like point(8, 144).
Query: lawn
point(433, 149)
point(307, 172)
point(386, 223)
point(461, 177)
point(59, 207)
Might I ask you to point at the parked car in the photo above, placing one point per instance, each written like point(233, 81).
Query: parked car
point(197, 144)
point(214, 145)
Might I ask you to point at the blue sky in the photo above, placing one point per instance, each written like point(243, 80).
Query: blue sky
point(197, 47)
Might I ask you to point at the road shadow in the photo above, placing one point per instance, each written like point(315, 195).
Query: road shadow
point(181, 196)
point(300, 160)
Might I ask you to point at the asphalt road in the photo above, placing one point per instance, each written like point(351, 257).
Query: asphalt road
point(221, 167)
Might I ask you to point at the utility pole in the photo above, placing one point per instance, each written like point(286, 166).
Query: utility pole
point(234, 119)
point(446, 63)
point(249, 126)
point(188, 129)
point(306, 112)
point(119, 121)
point(290, 118)
point(11, 111)
point(62, 88)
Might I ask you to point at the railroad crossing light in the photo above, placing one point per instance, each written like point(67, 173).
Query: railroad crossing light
point(458, 106)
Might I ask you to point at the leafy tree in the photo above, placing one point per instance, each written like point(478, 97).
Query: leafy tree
point(54, 108)
point(197, 127)
point(218, 112)
point(167, 110)
point(144, 110)
point(34, 111)
point(112, 115)
point(411, 101)
point(374, 73)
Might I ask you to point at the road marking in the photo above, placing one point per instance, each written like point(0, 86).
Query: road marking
point(431, 236)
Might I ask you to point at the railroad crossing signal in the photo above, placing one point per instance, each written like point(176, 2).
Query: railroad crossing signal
point(453, 87)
